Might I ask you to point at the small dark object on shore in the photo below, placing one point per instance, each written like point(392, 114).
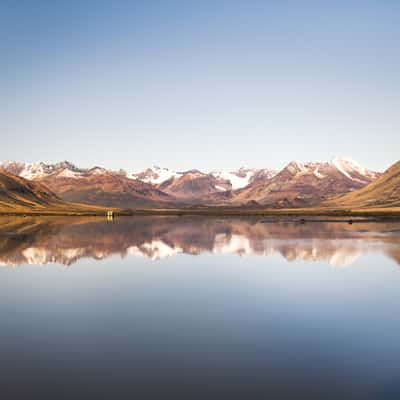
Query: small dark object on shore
point(350, 221)
point(302, 221)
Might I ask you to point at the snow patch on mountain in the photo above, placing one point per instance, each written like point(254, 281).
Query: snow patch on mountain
point(38, 170)
point(154, 175)
point(342, 168)
point(295, 167)
point(67, 173)
point(34, 171)
point(236, 181)
point(348, 167)
point(318, 174)
point(349, 164)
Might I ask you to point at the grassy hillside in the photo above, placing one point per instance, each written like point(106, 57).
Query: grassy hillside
point(18, 195)
point(383, 192)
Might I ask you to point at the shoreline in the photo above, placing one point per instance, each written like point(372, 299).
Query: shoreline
point(375, 213)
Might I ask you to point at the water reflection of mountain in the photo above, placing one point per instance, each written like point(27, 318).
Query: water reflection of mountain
point(64, 241)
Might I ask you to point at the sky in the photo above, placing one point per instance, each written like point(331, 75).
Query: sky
point(208, 84)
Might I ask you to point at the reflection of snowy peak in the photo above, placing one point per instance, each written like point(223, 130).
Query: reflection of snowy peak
point(47, 241)
point(340, 253)
point(39, 255)
point(154, 250)
point(232, 244)
point(343, 253)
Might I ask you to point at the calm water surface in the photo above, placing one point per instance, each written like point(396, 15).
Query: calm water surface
point(192, 307)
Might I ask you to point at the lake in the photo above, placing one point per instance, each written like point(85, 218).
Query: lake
point(197, 307)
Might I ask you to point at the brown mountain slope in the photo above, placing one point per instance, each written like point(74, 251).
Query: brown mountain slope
point(95, 186)
point(192, 185)
point(383, 192)
point(106, 189)
point(20, 195)
point(299, 185)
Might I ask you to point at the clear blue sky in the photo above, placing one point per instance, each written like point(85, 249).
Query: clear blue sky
point(200, 84)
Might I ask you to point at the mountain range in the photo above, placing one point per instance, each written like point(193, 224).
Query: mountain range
point(336, 182)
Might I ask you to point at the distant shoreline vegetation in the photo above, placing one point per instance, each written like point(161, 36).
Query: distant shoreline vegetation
point(376, 213)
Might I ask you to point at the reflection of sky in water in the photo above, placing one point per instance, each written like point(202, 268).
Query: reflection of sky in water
point(214, 325)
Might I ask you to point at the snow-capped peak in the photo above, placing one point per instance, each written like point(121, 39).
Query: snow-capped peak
point(348, 167)
point(154, 175)
point(39, 170)
point(295, 167)
point(35, 170)
point(348, 164)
